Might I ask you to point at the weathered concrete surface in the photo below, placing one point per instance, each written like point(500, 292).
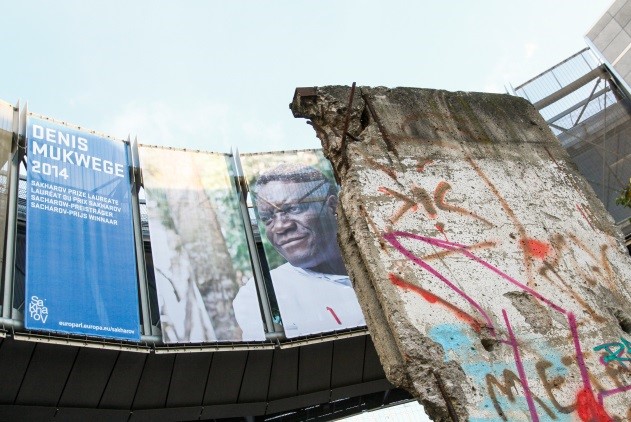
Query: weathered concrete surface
point(493, 282)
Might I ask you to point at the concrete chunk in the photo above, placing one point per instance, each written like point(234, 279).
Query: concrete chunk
point(493, 282)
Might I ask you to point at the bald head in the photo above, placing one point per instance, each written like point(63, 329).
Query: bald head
point(294, 173)
point(296, 203)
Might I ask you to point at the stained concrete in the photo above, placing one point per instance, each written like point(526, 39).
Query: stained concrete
point(492, 280)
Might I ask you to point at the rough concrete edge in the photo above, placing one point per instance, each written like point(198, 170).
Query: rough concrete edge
point(400, 369)
point(327, 112)
point(373, 312)
point(379, 302)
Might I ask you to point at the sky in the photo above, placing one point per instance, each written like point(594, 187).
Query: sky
point(219, 75)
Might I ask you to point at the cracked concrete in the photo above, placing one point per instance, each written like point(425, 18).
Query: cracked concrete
point(493, 282)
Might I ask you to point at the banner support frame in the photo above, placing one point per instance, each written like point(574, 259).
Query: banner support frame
point(136, 181)
point(18, 149)
point(271, 328)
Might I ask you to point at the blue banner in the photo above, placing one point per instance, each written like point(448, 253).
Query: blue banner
point(80, 258)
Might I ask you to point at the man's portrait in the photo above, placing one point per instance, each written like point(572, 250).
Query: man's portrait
point(295, 206)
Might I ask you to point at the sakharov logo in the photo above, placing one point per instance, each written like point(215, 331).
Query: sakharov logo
point(38, 311)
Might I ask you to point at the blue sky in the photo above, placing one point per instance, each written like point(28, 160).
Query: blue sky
point(213, 75)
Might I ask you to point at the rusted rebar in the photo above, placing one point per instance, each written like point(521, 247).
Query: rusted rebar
point(450, 407)
point(348, 117)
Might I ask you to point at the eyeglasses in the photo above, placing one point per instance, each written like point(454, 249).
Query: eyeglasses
point(296, 208)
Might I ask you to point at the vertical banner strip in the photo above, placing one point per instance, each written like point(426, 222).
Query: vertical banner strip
point(263, 297)
point(198, 245)
point(80, 257)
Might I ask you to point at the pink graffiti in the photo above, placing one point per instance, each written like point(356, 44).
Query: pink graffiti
point(590, 406)
point(606, 393)
point(392, 239)
point(520, 369)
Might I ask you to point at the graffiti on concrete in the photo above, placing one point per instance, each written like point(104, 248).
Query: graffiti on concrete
point(492, 279)
point(619, 352)
point(543, 259)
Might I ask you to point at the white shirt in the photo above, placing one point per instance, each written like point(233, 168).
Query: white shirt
point(309, 303)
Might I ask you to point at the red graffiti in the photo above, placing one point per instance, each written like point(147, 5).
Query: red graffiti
point(551, 156)
point(337, 319)
point(536, 248)
point(421, 165)
point(419, 196)
point(441, 228)
point(439, 198)
point(588, 409)
point(583, 213)
point(387, 170)
point(432, 298)
point(510, 213)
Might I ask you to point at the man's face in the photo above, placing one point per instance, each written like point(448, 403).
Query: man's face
point(299, 221)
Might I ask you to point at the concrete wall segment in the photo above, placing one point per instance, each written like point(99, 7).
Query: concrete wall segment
point(617, 46)
point(623, 14)
point(599, 26)
point(606, 36)
point(493, 282)
point(616, 6)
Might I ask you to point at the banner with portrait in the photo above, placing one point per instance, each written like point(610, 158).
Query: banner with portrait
point(80, 255)
point(294, 197)
point(198, 243)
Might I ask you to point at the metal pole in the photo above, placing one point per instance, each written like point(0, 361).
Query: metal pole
point(136, 181)
point(242, 189)
point(17, 148)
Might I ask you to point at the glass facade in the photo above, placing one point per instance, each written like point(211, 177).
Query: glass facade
point(589, 112)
